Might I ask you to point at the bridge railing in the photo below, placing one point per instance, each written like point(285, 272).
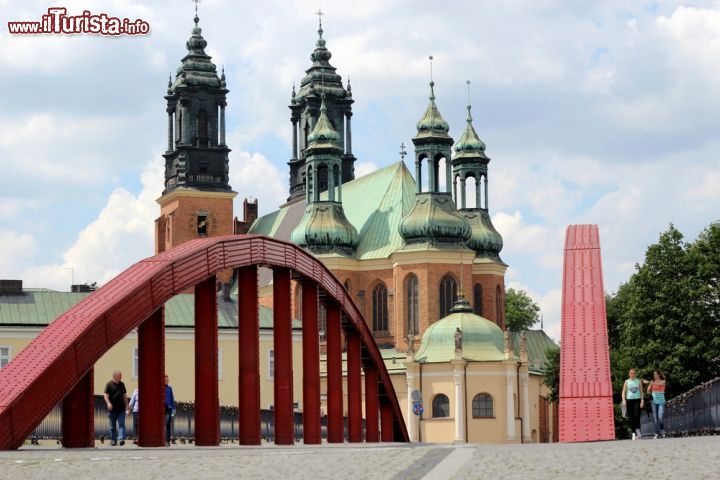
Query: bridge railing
point(695, 412)
point(183, 423)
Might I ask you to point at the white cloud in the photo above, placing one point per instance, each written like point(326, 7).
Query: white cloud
point(363, 168)
point(252, 175)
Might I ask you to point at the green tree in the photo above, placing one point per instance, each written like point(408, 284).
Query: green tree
point(551, 378)
point(521, 312)
point(666, 315)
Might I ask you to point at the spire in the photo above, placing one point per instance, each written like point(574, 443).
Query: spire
point(197, 69)
point(323, 135)
point(432, 124)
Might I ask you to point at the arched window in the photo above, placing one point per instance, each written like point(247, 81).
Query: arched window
point(440, 406)
point(202, 128)
point(380, 308)
point(498, 305)
point(477, 299)
point(482, 406)
point(411, 295)
point(448, 294)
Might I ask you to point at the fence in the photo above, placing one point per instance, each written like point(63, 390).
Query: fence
point(183, 423)
point(695, 412)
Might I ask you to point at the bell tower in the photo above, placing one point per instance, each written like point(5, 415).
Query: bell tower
point(320, 79)
point(197, 200)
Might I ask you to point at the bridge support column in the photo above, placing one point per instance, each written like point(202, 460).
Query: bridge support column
point(386, 420)
point(78, 414)
point(311, 363)
point(249, 361)
point(282, 350)
point(372, 429)
point(207, 403)
point(334, 375)
point(354, 388)
point(151, 380)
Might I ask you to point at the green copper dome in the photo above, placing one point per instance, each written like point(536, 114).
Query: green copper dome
point(484, 239)
point(323, 135)
point(196, 68)
point(469, 143)
point(434, 220)
point(432, 124)
point(482, 340)
point(325, 229)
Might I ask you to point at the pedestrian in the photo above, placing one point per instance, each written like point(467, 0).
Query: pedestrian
point(133, 407)
point(657, 389)
point(169, 410)
point(632, 400)
point(116, 400)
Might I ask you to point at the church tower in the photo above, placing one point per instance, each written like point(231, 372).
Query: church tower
point(471, 165)
point(324, 227)
point(433, 220)
point(197, 200)
point(320, 79)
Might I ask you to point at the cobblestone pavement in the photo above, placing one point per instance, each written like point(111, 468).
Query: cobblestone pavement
point(683, 458)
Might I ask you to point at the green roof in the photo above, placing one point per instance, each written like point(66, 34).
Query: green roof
point(394, 362)
point(374, 204)
point(38, 308)
point(537, 344)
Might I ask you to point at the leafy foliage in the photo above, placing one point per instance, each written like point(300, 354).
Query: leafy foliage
point(667, 316)
point(551, 378)
point(521, 312)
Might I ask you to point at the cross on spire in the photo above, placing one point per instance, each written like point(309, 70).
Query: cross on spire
point(196, 5)
point(319, 13)
point(432, 83)
point(402, 151)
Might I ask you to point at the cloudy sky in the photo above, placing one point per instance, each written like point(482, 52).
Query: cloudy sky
point(592, 112)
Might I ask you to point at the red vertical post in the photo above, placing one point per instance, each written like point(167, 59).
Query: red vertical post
point(282, 350)
point(249, 361)
point(334, 375)
point(372, 428)
point(78, 414)
point(311, 363)
point(151, 380)
point(386, 421)
point(207, 403)
point(354, 388)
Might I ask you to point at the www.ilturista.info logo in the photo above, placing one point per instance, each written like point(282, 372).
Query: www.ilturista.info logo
point(57, 21)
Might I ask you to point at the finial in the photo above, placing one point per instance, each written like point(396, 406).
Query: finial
point(402, 151)
point(293, 90)
point(349, 89)
point(222, 77)
point(169, 79)
point(320, 29)
point(196, 10)
point(469, 118)
point(432, 83)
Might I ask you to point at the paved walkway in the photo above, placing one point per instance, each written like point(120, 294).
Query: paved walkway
point(683, 458)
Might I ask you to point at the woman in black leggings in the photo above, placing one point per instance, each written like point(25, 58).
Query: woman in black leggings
point(632, 399)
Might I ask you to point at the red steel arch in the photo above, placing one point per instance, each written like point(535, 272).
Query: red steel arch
point(58, 364)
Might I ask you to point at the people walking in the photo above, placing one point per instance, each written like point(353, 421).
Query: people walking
point(133, 407)
point(657, 389)
point(117, 402)
point(632, 400)
point(169, 410)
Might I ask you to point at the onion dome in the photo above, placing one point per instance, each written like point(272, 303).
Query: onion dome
point(432, 124)
point(469, 144)
point(484, 239)
point(325, 229)
point(482, 340)
point(196, 68)
point(434, 220)
point(321, 77)
point(323, 135)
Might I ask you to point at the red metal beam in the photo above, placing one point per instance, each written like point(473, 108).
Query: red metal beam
point(311, 363)
point(282, 350)
point(78, 414)
point(151, 384)
point(45, 371)
point(249, 347)
point(207, 404)
point(334, 374)
point(354, 388)
point(387, 421)
point(372, 427)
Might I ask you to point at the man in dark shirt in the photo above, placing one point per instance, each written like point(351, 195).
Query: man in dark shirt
point(116, 400)
point(169, 410)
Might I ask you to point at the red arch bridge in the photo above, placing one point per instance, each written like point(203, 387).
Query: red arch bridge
point(58, 365)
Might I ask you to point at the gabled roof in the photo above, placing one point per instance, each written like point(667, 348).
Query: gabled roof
point(375, 204)
point(38, 308)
